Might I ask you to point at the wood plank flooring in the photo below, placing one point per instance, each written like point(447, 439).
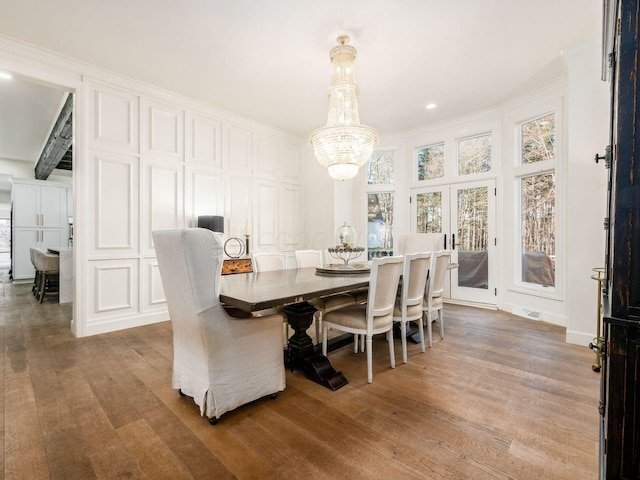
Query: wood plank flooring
point(501, 397)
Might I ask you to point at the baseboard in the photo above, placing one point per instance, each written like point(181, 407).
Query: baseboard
point(579, 338)
point(114, 324)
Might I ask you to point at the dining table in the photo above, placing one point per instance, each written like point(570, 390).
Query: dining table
point(290, 291)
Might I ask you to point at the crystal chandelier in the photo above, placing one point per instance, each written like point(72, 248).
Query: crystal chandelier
point(342, 146)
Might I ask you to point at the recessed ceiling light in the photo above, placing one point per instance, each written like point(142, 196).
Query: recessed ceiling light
point(431, 106)
point(5, 76)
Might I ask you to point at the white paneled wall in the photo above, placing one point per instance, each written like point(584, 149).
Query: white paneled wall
point(157, 163)
point(266, 218)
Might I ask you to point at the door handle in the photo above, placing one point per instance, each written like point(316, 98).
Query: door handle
point(453, 242)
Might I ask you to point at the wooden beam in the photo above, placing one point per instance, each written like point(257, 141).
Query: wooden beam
point(59, 142)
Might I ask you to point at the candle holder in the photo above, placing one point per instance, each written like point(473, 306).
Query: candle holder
point(346, 254)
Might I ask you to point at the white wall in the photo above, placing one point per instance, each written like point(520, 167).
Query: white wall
point(586, 186)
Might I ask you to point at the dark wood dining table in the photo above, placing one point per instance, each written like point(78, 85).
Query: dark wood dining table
point(290, 290)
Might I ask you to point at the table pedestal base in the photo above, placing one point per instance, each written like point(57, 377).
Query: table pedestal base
point(300, 351)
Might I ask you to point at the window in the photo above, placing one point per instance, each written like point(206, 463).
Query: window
point(538, 201)
point(474, 155)
point(538, 197)
point(538, 139)
point(380, 197)
point(431, 162)
point(380, 170)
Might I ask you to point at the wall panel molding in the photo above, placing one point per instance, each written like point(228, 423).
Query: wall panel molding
point(237, 148)
point(113, 119)
point(162, 201)
point(163, 131)
point(203, 140)
point(114, 204)
point(205, 194)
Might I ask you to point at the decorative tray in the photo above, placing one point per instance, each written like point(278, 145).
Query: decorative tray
point(342, 269)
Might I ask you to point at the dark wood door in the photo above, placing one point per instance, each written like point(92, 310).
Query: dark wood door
point(621, 391)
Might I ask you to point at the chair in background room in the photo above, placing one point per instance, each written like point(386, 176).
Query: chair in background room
point(48, 268)
point(408, 306)
point(268, 261)
point(313, 258)
point(220, 361)
point(376, 316)
point(432, 302)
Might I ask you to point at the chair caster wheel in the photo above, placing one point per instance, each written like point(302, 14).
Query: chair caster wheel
point(273, 396)
point(182, 394)
point(213, 421)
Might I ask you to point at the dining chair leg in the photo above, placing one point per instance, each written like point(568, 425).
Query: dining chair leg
point(429, 329)
point(36, 280)
point(403, 335)
point(441, 318)
point(369, 359)
point(392, 353)
point(43, 286)
point(356, 339)
point(421, 332)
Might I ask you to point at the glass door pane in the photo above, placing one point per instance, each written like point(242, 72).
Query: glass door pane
point(472, 237)
point(429, 212)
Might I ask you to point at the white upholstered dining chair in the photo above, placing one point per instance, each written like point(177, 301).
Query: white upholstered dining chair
point(313, 258)
point(374, 317)
point(220, 361)
point(268, 261)
point(433, 300)
point(418, 242)
point(408, 306)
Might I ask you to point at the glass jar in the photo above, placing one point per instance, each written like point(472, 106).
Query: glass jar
point(345, 236)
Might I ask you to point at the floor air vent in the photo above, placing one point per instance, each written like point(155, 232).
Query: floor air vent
point(527, 313)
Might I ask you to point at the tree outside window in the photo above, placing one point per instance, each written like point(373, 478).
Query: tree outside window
point(538, 139)
point(474, 155)
point(431, 162)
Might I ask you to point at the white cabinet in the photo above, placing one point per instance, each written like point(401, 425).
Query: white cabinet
point(39, 220)
point(36, 205)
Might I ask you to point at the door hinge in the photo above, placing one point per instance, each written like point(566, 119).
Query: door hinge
point(606, 223)
point(495, 241)
point(410, 199)
point(495, 192)
point(495, 292)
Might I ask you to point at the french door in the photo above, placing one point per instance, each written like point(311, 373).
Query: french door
point(465, 213)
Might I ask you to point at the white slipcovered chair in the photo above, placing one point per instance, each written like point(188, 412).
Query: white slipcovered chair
point(220, 361)
point(409, 304)
point(376, 316)
point(313, 258)
point(433, 302)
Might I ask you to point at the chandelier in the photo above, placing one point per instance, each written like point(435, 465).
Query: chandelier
point(342, 146)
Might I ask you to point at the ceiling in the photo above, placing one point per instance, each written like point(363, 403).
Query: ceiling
point(269, 59)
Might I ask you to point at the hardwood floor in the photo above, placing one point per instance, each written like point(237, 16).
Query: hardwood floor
point(499, 397)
